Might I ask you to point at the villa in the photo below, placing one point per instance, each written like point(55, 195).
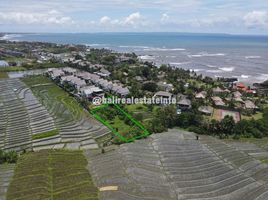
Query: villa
point(163, 94)
point(201, 95)
point(184, 104)
point(3, 63)
point(207, 110)
point(91, 91)
point(218, 101)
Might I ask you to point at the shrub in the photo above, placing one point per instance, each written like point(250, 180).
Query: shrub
point(8, 157)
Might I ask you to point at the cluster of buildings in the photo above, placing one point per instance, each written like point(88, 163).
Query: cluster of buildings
point(226, 99)
point(88, 85)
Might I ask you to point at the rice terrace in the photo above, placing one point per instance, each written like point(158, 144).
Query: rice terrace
point(207, 139)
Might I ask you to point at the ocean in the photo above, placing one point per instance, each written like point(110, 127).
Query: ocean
point(215, 55)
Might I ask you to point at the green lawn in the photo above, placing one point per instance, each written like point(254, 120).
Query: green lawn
point(11, 69)
point(52, 175)
point(122, 124)
point(256, 116)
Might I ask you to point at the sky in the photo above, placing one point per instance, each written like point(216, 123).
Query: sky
point(196, 16)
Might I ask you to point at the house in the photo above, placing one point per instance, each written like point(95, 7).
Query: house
point(207, 110)
point(201, 95)
point(237, 94)
point(78, 83)
point(73, 81)
point(55, 73)
point(218, 90)
point(165, 86)
point(69, 70)
point(184, 104)
point(3, 63)
point(217, 101)
point(107, 85)
point(163, 94)
point(103, 73)
point(240, 86)
point(91, 92)
point(123, 92)
point(249, 105)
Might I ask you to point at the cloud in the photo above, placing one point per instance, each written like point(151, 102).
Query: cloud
point(105, 20)
point(164, 18)
point(52, 17)
point(256, 19)
point(133, 20)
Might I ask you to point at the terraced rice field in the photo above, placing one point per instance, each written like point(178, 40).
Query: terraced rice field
point(6, 173)
point(76, 128)
point(54, 175)
point(50, 119)
point(174, 165)
point(22, 116)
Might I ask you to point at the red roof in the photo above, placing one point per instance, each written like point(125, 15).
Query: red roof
point(240, 85)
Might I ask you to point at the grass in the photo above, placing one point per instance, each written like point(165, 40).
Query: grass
point(11, 69)
point(52, 175)
point(3, 75)
point(123, 125)
point(265, 160)
point(45, 134)
point(256, 116)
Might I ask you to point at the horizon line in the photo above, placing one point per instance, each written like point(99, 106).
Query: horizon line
point(137, 32)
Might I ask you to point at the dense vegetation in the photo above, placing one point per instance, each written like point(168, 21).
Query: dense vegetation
point(8, 157)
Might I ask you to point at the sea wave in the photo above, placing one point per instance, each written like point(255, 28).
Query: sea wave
point(214, 71)
point(134, 46)
point(245, 76)
point(164, 49)
point(205, 55)
point(179, 63)
point(10, 36)
point(96, 45)
point(211, 66)
point(197, 70)
point(262, 77)
point(252, 57)
point(147, 57)
point(227, 69)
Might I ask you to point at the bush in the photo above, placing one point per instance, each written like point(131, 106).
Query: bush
point(11, 157)
point(198, 130)
point(256, 133)
point(8, 157)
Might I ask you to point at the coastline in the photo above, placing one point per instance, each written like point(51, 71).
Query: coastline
point(207, 63)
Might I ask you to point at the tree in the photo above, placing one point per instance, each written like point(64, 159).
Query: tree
point(227, 126)
point(150, 86)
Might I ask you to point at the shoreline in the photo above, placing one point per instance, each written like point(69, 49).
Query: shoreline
point(152, 53)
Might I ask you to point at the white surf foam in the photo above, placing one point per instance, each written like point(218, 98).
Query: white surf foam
point(146, 57)
point(252, 57)
point(227, 69)
point(179, 63)
point(262, 77)
point(205, 55)
point(214, 71)
point(243, 76)
point(164, 49)
point(133, 46)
